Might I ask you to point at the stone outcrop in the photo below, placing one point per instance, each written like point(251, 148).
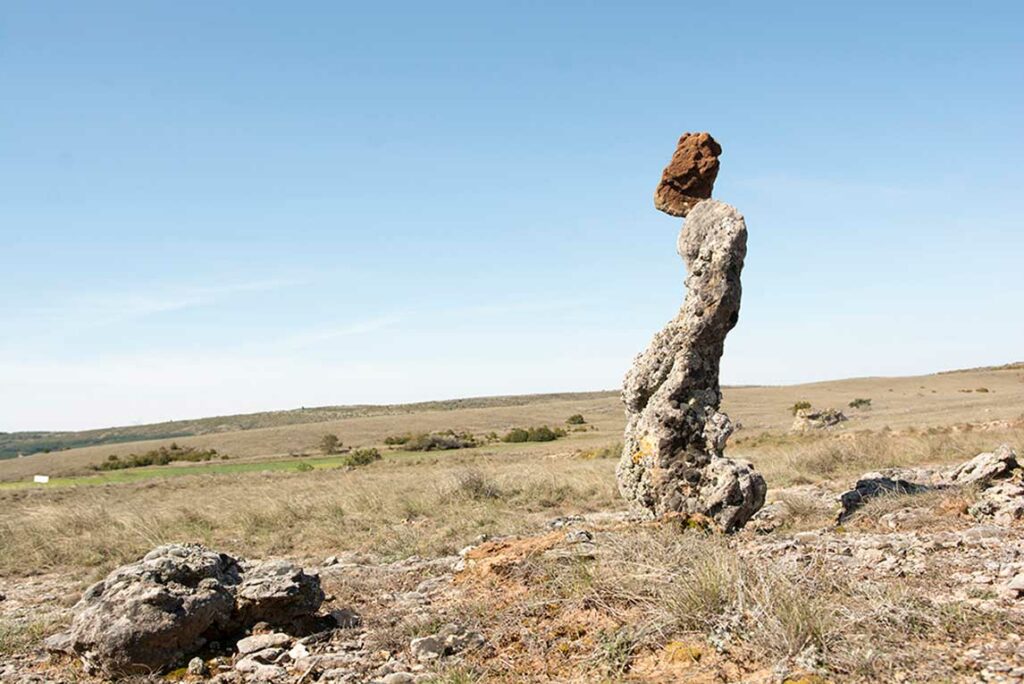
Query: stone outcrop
point(995, 475)
point(985, 467)
point(806, 420)
point(689, 176)
point(154, 614)
point(672, 460)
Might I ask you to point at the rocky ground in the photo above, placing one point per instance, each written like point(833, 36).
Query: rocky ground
point(926, 585)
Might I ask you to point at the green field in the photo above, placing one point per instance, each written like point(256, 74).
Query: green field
point(218, 468)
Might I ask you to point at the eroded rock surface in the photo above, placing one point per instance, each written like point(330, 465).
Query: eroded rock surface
point(672, 461)
point(155, 613)
point(689, 176)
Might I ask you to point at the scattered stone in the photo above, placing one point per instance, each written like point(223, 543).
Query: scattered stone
point(427, 648)
point(197, 667)
point(578, 537)
point(672, 461)
point(770, 518)
point(155, 613)
point(399, 678)
point(689, 176)
point(817, 419)
point(450, 639)
point(1015, 587)
point(262, 641)
point(565, 521)
point(346, 618)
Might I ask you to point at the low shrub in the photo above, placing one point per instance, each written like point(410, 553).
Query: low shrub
point(439, 441)
point(860, 404)
point(361, 457)
point(330, 444)
point(799, 406)
point(397, 440)
point(474, 485)
point(304, 467)
point(542, 433)
point(160, 457)
point(575, 419)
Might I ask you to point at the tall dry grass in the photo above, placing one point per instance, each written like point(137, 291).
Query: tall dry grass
point(390, 509)
point(788, 459)
point(660, 585)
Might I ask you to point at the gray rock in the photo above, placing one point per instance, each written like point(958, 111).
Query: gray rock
point(399, 678)
point(817, 419)
point(578, 537)
point(672, 461)
point(277, 592)
point(156, 613)
point(260, 642)
point(449, 639)
point(870, 486)
point(197, 667)
point(984, 468)
point(427, 648)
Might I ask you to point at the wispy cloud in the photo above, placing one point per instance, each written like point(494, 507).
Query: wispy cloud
point(315, 336)
point(109, 307)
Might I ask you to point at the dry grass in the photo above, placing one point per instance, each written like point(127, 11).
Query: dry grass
point(660, 587)
point(797, 459)
point(391, 509)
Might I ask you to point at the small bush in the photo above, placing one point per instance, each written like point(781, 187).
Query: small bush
point(860, 404)
point(397, 440)
point(475, 485)
point(440, 441)
point(533, 434)
point(799, 406)
point(361, 457)
point(516, 435)
point(982, 390)
point(304, 467)
point(329, 444)
point(575, 419)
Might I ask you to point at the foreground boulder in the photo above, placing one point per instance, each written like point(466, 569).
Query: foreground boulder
point(155, 613)
point(672, 460)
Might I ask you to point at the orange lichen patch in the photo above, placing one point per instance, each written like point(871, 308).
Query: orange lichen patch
point(680, 651)
point(688, 521)
point(691, 661)
point(500, 557)
point(645, 449)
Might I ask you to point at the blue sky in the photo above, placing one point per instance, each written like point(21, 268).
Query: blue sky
point(213, 207)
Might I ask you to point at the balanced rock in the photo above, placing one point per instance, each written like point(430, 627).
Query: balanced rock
point(672, 460)
point(154, 614)
point(690, 176)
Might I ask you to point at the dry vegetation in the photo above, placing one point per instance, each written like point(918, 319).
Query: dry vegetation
point(655, 604)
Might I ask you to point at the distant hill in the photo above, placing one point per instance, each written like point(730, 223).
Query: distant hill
point(13, 444)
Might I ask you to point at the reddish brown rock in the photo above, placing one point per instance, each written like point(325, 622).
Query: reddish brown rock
point(690, 176)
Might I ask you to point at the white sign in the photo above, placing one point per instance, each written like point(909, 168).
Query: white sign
point(41, 479)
